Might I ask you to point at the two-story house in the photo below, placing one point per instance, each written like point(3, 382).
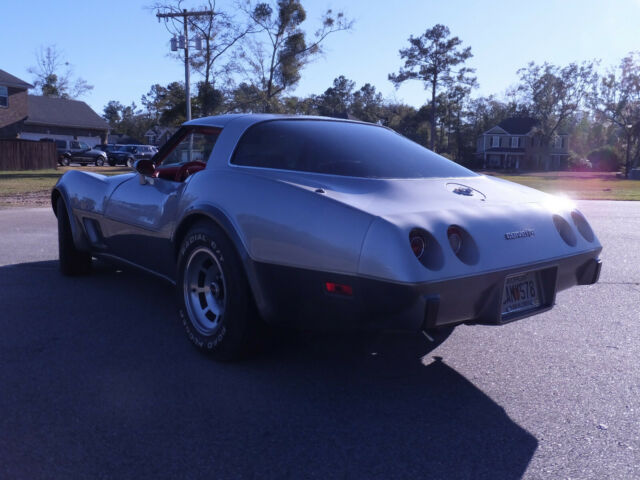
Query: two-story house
point(514, 144)
point(32, 117)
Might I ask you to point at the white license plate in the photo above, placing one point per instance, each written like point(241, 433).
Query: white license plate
point(521, 293)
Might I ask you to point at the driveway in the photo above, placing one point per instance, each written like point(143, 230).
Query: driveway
point(97, 380)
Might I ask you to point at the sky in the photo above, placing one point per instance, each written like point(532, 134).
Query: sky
point(119, 47)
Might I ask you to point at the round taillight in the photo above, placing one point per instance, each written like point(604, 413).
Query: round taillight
point(455, 238)
point(418, 244)
point(583, 226)
point(565, 230)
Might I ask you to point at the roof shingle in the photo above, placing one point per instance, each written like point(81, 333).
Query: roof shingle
point(9, 80)
point(518, 125)
point(62, 112)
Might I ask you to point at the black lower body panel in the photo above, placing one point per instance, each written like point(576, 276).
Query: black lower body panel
point(299, 297)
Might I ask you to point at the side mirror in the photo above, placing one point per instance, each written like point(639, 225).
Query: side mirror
point(144, 167)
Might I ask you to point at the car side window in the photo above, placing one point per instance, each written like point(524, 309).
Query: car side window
point(196, 146)
point(75, 145)
point(84, 146)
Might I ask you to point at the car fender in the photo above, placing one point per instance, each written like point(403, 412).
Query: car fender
point(84, 194)
point(77, 232)
point(204, 210)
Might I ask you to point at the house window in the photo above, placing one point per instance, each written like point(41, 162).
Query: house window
point(495, 142)
point(4, 97)
point(515, 142)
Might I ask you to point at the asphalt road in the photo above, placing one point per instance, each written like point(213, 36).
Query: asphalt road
point(97, 380)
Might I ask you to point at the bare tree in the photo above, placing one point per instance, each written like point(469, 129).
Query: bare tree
point(220, 34)
point(275, 57)
point(54, 75)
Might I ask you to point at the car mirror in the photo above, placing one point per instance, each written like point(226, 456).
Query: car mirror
point(144, 167)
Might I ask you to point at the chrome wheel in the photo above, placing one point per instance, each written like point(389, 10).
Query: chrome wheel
point(205, 291)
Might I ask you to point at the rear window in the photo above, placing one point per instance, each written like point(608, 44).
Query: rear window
point(340, 148)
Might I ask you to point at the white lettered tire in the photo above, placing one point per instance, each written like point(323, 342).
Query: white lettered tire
point(216, 305)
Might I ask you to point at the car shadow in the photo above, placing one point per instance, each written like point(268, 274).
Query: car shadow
point(99, 381)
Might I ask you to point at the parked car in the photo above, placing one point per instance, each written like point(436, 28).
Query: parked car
point(108, 149)
point(323, 223)
point(73, 151)
point(128, 154)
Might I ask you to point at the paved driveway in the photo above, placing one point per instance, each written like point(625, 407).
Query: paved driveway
point(97, 380)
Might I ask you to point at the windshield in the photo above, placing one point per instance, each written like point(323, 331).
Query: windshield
point(340, 148)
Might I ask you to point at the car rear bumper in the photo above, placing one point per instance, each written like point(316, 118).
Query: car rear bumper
point(299, 298)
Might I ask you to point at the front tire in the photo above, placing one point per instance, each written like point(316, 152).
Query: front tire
point(216, 305)
point(65, 161)
point(130, 162)
point(72, 261)
point(99, 161)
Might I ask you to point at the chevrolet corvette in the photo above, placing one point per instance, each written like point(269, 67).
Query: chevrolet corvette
point(322, 223)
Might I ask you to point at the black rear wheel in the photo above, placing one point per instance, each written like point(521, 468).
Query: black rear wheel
point(216, 305)
point(72, 260)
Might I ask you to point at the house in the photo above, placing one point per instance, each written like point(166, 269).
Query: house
point(515, 144)
point(32, 117)
point(158, 135)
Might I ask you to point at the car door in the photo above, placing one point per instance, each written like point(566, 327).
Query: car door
point(141, 214)
point(76, 151)
point(84, 152)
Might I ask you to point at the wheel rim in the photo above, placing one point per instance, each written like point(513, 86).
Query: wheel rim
point(205, 291)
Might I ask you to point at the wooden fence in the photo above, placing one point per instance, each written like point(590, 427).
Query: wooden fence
point(27, 155)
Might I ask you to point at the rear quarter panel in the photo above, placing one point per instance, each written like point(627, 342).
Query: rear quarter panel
point(282, 223)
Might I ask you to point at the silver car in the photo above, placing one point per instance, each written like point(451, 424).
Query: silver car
point(322, 223)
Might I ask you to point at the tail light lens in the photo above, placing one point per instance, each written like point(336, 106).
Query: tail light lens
point(418, 244)
point(583, 226)
point(565, 230)
point(455, 238)
point(338, 288)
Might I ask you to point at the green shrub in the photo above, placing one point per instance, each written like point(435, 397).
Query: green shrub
point(577, 163)
point(605, 159)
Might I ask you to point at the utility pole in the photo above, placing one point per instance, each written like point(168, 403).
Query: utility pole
point(185, 15)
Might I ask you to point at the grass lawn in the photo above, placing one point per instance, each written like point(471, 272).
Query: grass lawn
point(33, 187)
point(580, 185)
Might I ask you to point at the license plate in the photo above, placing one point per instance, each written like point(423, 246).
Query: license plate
point(521, 293)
